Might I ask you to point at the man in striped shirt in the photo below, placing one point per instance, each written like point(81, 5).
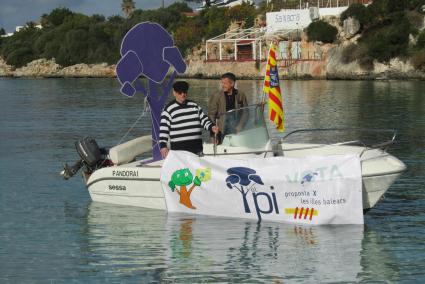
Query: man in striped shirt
point(182, 121)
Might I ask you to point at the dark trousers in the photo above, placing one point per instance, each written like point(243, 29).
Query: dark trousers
point(193, 146)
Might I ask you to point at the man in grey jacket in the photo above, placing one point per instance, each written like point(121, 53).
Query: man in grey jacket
point(227, 99)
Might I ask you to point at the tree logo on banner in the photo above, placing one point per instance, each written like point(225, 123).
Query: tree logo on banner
point(182, 178)
point(244, 180)
point(148, 51)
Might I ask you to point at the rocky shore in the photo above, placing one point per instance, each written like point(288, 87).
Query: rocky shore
point(330, 66)
point(44, 68)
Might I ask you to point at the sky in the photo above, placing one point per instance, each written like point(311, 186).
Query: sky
point(18, 12)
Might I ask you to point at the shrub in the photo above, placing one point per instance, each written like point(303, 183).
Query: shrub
point(415, 18)
point(416, 5)
point(396, 6)
point(187, 35)
point(56, 18)
point(18, 49)
point(321, 31)
point(214, 21)
point(244, 12)
point(388, 40)
point(20, 56)
point(388, 45)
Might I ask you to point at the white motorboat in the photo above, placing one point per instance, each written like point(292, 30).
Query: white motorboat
point(125, 180)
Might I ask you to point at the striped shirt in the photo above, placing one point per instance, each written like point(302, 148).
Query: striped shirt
point(182, 124)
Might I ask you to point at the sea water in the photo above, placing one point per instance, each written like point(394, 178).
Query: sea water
point(51, 232)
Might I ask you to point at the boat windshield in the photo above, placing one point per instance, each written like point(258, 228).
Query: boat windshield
point(245, 127)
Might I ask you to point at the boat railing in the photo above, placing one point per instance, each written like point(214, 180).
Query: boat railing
point(275, 143)
point(392, 133)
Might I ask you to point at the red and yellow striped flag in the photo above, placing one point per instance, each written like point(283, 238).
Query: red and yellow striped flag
point(272, 89)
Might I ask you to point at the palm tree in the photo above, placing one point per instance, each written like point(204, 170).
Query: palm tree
point(127, 6)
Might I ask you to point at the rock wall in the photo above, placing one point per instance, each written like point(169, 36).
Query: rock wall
point(201, 69)
point(49, 68)
point(328, 65)
point(253, 70)
point(39, 68)
point(323, 61)
point(395, 69)
point(91, 70)
point(5, 70)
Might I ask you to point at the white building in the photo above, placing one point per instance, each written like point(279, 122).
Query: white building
point(286, 25)
point(18, 28)
point(224, 3)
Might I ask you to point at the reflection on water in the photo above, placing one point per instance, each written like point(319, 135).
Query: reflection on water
point(122, 241)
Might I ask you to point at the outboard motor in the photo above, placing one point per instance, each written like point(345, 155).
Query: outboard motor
point(91, 157)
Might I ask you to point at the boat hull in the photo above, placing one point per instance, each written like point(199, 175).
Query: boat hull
point(140, 193)
point(375, 187)
point(141, 187)
point(132, 186)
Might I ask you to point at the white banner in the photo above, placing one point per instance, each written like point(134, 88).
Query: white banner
point(288, 20)
point(312, 190)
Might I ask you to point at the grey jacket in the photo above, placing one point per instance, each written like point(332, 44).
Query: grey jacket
point(217, 106)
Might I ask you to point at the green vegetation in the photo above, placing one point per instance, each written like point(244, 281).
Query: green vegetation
point(389, 40)
point(2, 32)
point(68, 37)
point(385, 29)
point(321, 31)
point(357, 11)
point(73, 38)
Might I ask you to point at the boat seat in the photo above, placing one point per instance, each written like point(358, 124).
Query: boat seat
point(128, 151)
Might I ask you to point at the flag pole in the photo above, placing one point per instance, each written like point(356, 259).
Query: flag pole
point(271, 78)
point(264, 80)
point(265, 73)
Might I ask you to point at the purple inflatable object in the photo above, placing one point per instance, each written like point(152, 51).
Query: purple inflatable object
point(148, 50)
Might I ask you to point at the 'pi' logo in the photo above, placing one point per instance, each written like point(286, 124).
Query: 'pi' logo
point(245, 180)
